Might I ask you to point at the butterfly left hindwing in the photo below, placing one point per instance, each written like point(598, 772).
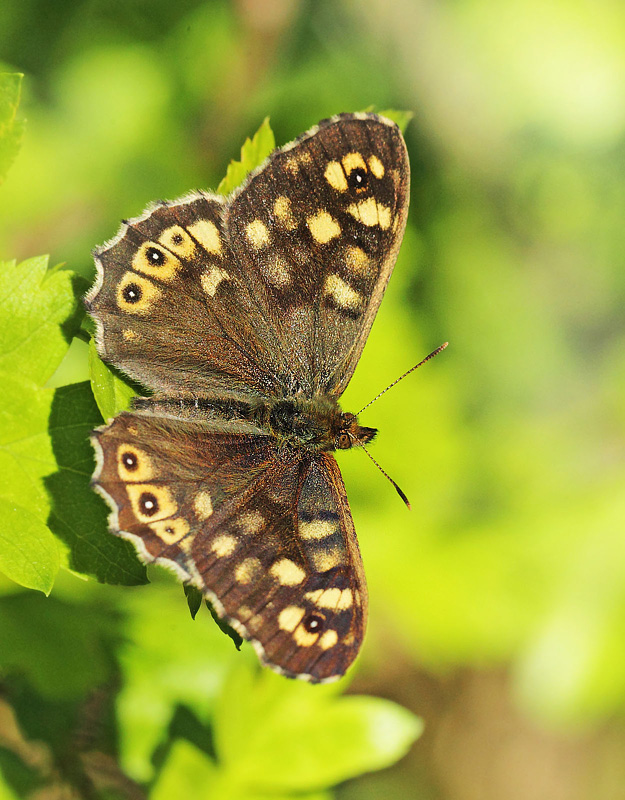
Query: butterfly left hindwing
point(246, 317)
point(265, 534)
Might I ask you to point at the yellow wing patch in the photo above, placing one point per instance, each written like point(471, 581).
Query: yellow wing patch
point(136, 294)
point(153, 260)
point(323, 227)
point(257, 234)
point(206, 233)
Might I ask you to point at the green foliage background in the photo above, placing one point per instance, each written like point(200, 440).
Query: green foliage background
point(510, 445)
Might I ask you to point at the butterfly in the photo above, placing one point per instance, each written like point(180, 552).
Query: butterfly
point(245, 317)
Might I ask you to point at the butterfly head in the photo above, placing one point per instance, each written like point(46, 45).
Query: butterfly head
point(351, 434)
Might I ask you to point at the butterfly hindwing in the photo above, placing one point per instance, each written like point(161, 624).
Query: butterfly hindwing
point(267, 536)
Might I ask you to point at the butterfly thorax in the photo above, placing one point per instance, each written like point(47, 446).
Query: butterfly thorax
point(316, 423)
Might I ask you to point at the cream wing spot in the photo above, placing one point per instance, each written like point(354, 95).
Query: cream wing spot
point(328, 639)
point(290, 617)
point(376, 166)
point(212, 278)
point(130, 335)
point(287, 572)
point(303, 638)
point(342, 293)
point(335, 176)
point(384, 217)
point(353, 161)
point(366, 211)
point(203, 505)
point(251, 523)
point(257, 234)
point(371, 213)
point(276, 270)
point(356, 260)
point(284, 213)
point(206, 233)
point(317, 529)
point(333, 598)
point(248, 570)
point(323, 227)
point(323, 560)
point(170, 531)
point(224, 545)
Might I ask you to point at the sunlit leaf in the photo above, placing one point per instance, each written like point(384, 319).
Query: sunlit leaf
point(112, 394)
point(253, 153)
point(40, 313)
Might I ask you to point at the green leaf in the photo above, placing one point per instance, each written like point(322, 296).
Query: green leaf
point(401, 118)
point(253, 153)
point(60, 647)
point(172, 661)
point(112, 394)
point(78, 516)
point(188, 772)
point(6, 793)
point(29, 553)
point(194, 598)
point(11, 129)
point(284, 736)
point(40, 314)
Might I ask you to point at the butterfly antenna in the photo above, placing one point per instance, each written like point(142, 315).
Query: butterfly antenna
point(401, 377)
point(386, 475)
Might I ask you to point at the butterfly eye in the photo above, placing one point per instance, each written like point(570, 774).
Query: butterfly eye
point(155, 257)
point(130, 461)
point(148, 504)
point(132, 293)
point(314, 623)
point(358, 179)
point(343, 441)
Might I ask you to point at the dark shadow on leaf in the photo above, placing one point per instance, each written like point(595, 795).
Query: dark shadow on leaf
point(78, 516)
point(185, 725)
point(71, 325)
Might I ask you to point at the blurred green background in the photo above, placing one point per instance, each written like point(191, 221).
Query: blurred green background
point(498, 603)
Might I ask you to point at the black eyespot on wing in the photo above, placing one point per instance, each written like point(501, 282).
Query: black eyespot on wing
point(358, 179)
point(132, 293)
point(155, 257)
point(148, 504)
point(130, 461)
point(314, 623)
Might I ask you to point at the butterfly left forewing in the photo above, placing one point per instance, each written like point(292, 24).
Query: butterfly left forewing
point(266, 535)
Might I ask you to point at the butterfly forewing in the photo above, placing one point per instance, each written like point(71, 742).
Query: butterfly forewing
point(318, 228)
point(233, 311)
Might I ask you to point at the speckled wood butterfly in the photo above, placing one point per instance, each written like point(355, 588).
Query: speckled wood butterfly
point(246, 316)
